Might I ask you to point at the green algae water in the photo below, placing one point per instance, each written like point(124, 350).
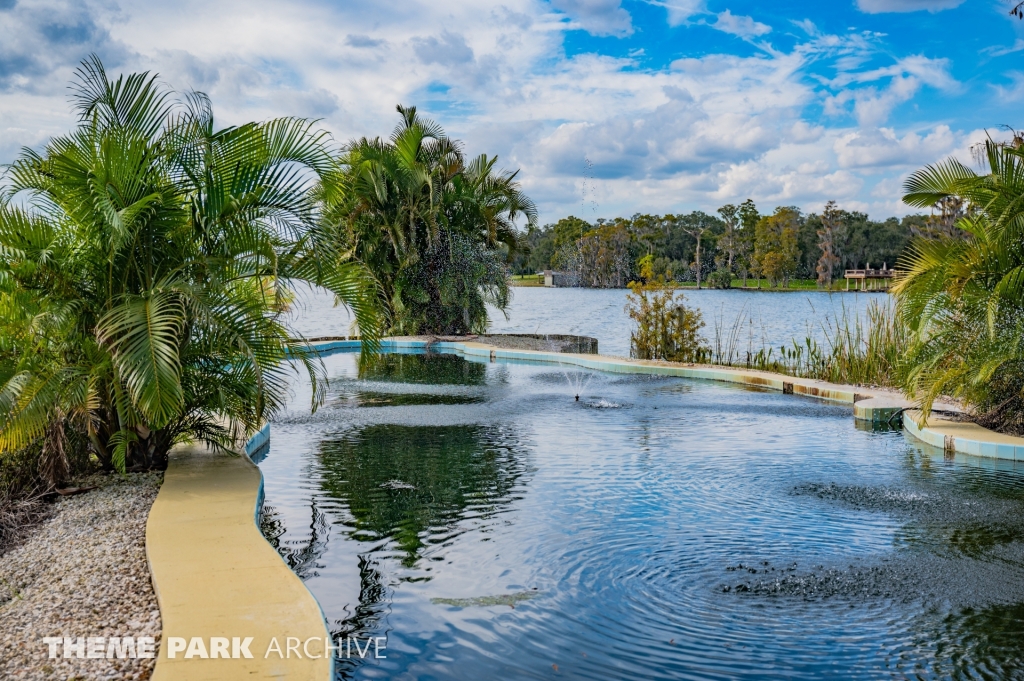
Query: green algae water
point(488, 525)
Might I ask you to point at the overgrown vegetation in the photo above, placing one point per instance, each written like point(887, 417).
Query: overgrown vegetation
point(666, 328)
point(434, 228)
point(855, 351)
point(963, 295)
point(146, 260)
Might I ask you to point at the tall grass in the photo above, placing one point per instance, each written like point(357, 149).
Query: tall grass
point(858, 351)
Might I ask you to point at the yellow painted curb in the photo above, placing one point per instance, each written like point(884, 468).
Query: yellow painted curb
point(216, 576)
point(966, 438)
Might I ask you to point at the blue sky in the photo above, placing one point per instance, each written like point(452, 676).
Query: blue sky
point(607, 107)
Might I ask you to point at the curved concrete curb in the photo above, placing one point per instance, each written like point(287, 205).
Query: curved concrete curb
point(216, 576)
point(966, 438)
point(481, 351)
point(869, 404)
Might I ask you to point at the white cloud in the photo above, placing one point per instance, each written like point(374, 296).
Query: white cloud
point(1012, 92)
point(882, 147)
point(680, 11)
point(598, 17)
point(742, 26)
point(872, 105)
point(699, 133)
point(881, 6)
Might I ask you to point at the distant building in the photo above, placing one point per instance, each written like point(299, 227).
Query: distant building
point(561, 279)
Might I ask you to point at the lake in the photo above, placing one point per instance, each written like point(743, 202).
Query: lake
point(770, 318)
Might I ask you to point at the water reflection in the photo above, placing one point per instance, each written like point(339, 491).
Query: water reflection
point(432, 368)
point(413, 484)
point(303, 556)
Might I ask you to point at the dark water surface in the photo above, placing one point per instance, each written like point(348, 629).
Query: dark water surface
point(492, 527)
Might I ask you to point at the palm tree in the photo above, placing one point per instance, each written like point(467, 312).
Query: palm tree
point(155, 256)
point(964, 297)
point(427, 224)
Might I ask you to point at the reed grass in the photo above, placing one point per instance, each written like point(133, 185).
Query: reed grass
point(855, 351)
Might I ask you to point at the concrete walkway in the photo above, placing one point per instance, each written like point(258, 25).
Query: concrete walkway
point(217, 577)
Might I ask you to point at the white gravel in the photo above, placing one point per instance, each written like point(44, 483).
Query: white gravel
point(81, 573)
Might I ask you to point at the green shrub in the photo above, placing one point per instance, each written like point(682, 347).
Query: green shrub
point(666, 328)
point(720, 279)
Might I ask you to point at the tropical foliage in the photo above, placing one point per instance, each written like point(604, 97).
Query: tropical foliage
point(146, 262)
point(433, 228)
point(963, 296)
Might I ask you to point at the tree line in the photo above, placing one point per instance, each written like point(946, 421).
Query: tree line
point(739, 242)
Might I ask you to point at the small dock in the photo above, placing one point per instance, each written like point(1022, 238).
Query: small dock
point(872, 279)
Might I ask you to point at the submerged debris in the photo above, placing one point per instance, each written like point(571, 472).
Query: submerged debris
point(486, 601)
point(397, 484)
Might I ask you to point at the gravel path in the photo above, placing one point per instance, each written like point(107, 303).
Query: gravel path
point(82, 573)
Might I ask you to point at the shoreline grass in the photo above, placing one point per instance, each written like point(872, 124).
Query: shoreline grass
point(855, 351)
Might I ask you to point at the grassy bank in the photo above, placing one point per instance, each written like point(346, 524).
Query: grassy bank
point(763, 285)
point(752, 284)
point(527, 280)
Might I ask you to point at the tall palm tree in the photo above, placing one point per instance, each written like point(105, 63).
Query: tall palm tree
point(964, 297)
point(427, 224)
point(156, 254)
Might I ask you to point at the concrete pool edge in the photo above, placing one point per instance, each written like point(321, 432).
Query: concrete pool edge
point(874, 405)
point(215, 574)
point(964, 438)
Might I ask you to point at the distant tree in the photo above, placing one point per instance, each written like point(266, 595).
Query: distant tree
point(605, 256)
point(776, 249)
point(569, 230)
point(728, 242)
point(944, 224)
point(828, 243)
point(649, 232)
point(749, 216)
point(697, 224)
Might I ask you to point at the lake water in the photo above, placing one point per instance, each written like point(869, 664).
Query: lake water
point(489, 526)
point(765, 318)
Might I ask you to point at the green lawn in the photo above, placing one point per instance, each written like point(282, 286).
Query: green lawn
point(794, 285)
point(527, 279)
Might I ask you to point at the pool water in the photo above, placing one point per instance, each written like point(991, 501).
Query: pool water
point(490, 526)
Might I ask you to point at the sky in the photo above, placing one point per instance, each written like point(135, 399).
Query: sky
point(606, 107)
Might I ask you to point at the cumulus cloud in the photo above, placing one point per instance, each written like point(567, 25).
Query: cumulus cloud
point(698, 133)
point(448, 49)
point(598, 17)
point(872, 148)
point(39, 39)
point(882, 6)
point(742, 26)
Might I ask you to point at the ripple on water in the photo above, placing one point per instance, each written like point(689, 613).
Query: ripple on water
point(670, 529)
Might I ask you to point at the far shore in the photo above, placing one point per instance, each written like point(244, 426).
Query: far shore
point(797, 286)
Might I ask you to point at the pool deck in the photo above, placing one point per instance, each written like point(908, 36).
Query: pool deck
point(215, 575)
